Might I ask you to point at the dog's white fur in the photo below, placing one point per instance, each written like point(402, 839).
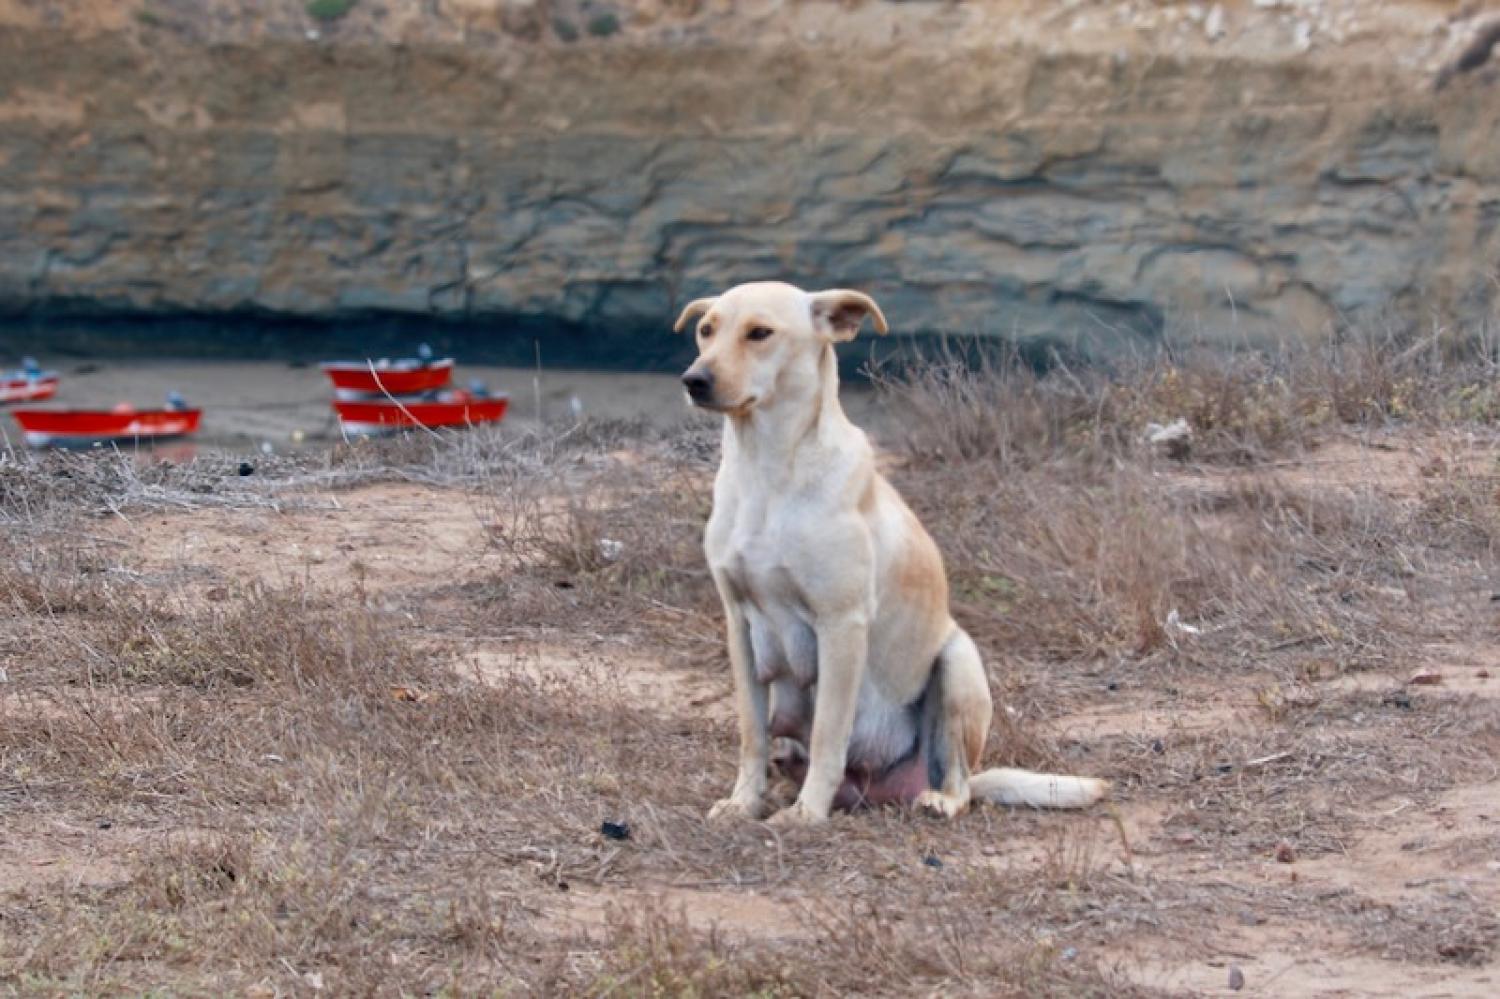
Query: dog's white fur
point(835, 597)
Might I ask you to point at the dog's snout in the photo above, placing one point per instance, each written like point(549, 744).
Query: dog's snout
point(699, 384)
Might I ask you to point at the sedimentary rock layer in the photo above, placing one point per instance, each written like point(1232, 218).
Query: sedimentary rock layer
point(976, 181)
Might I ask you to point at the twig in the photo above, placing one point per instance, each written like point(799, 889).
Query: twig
point(399, 404)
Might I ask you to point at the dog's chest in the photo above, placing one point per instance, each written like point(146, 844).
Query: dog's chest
point(756, 548)
point(757, 557)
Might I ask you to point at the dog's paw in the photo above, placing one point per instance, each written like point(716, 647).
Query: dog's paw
point(735, 810)
point(941, 806)
point(795, 815)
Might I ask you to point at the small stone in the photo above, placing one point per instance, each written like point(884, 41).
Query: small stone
point(1482, 674)
point(1236, 978)
point(1285, 853)
point(615, 830)
point(931, 860)
point(246, 468)
point(1158, 747)
point(1425, 678)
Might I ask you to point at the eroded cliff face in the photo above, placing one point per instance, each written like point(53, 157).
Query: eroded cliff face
point(1101, 171)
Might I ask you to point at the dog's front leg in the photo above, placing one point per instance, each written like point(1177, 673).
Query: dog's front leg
point(748, 799)
point(841, 669)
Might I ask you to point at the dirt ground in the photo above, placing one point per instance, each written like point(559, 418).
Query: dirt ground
point(372, 729)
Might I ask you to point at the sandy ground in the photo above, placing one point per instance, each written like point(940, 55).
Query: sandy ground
point(250, 404)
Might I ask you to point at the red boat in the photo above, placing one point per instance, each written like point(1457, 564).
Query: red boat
point(27, 388)
point(353, 380)
point(447, 409)
point(82, 427)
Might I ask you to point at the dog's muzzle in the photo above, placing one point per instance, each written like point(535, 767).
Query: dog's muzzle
point(699, 385)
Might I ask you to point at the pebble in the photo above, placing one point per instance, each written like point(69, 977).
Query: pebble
point(1236, 978)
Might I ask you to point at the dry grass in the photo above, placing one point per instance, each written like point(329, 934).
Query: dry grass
point(1242, 407)
point(270, 790)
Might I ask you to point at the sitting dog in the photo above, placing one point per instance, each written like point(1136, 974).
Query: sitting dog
point(834, 595)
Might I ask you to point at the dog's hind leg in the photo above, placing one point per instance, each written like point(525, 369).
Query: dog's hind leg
point(956, 713)
point(956, 716)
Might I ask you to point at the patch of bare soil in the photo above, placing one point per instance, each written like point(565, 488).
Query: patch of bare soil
point(384, 538)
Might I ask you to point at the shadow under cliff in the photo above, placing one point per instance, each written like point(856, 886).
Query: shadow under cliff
point(519, 341)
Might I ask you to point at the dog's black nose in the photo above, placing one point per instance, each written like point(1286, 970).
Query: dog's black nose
point(699, 384)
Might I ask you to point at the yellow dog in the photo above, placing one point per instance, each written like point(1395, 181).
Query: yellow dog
point(834, 595)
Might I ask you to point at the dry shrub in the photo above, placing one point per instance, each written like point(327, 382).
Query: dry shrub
point(187, 868)
point(269, 637)
point(843, 949)
point(1462, 501)
point(954, 409)
point(48, 573)
point(1240, 406)
point(625, 534)
point(1058, 566)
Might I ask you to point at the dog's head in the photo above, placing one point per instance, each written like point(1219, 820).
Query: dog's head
point(756, 339)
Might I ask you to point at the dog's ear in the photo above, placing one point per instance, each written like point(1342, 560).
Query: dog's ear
point(843, 312)
point(694, 308)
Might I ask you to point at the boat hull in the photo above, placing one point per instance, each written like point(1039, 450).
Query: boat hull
point(356, 380)
point(82, 427)
point(385, 417)
point(27, 389)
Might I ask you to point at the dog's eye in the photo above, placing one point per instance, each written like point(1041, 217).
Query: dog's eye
point(704, 332)
point(758, 333)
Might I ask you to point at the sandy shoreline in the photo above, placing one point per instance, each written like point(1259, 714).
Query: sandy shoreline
point(248, 404)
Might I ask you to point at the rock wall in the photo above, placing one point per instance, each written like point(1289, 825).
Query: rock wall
point(979, 169)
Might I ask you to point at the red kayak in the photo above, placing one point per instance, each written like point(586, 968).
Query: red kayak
point(24, 388)
point(354, 380)
point(449, 409)
point(82, 427)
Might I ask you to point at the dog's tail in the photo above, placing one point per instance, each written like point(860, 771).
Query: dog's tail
point(1006, 786)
